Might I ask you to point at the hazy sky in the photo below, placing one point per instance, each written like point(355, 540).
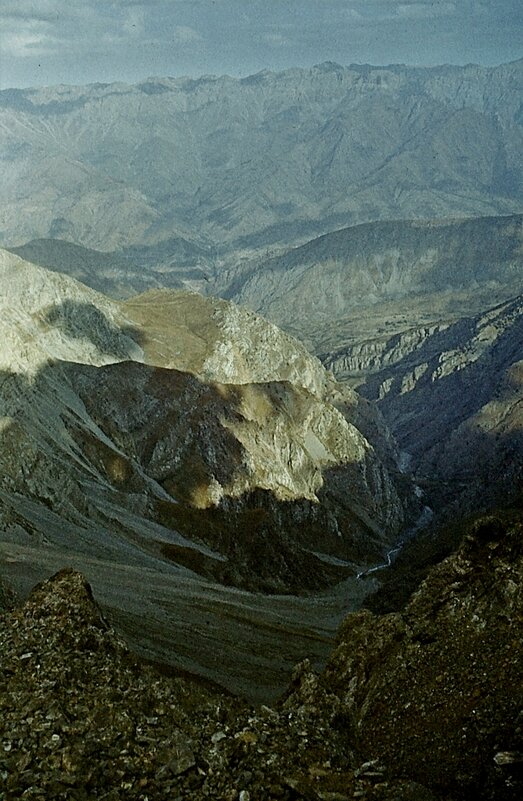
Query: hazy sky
point(69, 41)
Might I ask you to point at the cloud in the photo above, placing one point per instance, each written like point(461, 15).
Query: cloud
point(276, 40)
point(26, 37)
point(352, 13)
point(86, 40)
point(26, 45)
point(46, 11)
point(86, 24)
point(425, 10)
point(183, 34)
point(374, 12)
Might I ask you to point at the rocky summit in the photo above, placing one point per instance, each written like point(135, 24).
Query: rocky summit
point(411, 706)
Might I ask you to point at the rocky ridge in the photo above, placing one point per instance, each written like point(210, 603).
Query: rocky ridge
point(452, 396)
point(182, 439)
point(407, 313)
point(386, 271)
point(81, 718)
point(137, 435)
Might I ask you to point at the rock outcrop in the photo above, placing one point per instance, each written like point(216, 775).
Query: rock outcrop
point(419, 706)
point(80, 718)
point(7, 597)
point(435, 692)
point(452, 396)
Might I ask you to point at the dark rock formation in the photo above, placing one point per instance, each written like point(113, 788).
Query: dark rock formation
point(420, 706)
point(79, 718)
point(435, 692)
point(8, 596)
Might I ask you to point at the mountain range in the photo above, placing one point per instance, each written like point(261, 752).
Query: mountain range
point(261, 396)
point(228, 166)
point(422, 316)
point(453, 399)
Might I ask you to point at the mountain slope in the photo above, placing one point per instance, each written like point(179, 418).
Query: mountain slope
point(118, 274)
point(405, 311)
point(317, 291)
point(275, 157)
point(426, 691)
point(206, 442)
point(388, 718)
point(452, 396)
point(111, 453)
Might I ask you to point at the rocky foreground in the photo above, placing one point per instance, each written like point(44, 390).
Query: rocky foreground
point(422, 705)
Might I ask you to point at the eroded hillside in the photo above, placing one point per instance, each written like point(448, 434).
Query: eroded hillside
point(382, 278)
point(452, 395)
point(247, 467)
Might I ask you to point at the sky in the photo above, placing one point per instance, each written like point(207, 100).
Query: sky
point(46, 42)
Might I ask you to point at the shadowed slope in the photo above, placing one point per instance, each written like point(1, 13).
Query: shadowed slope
point(107, 460)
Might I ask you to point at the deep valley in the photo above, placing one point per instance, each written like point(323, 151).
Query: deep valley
point(261, 437)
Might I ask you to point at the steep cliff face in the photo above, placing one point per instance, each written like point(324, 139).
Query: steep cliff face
point(358, 361)
point(248, 469)
point(405, 311)
point(220, 341)
point(452, 396)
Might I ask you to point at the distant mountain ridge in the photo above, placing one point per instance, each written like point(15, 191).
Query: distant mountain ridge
point(317, 291)
point(273, 158)
point(173, 265)
point(374, 263)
